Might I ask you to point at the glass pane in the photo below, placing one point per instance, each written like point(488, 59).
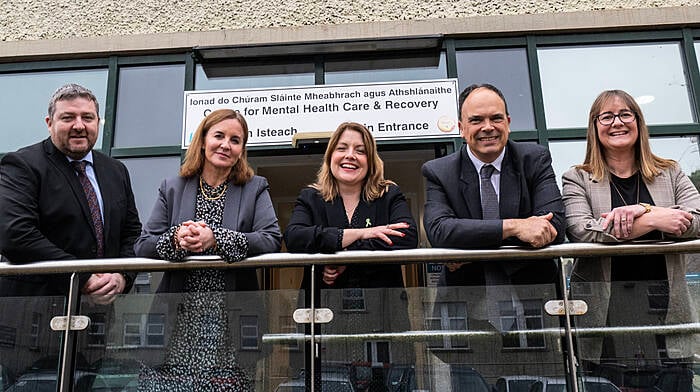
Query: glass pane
point(24, 100)
point(259, 77)
point(146, 175)
point(637, 344)
point(506, 69)
point(652, 73)
point(29, 349)
point(386, 69)
point(149, 106)
point(200, 347)
point(448, 327)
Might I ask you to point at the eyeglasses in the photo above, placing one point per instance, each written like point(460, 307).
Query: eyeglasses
point(607, 118)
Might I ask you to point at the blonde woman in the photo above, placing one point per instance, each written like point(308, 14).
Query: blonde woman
point(352, 206)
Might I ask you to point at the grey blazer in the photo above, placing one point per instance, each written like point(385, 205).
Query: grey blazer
point(585, 200)
point(248, 209)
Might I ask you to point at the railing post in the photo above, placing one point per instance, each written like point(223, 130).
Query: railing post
point(568, 334)
point(67, 352)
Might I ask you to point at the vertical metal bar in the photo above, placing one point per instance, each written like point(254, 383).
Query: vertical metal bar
point(567, 329)
point(314, 349)
point(65, 375)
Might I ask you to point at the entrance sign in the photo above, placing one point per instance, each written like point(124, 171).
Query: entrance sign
point(397, 110)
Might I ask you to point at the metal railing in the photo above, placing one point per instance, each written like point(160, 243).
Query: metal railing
point(412, 256)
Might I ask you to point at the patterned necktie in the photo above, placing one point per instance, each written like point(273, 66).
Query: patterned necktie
point(94, 205)
point(489, 199)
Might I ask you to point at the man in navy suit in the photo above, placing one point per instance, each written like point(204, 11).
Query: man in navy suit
point(519, 194)
point(45, 212)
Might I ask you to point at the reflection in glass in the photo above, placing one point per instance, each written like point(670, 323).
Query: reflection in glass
point(652, 73)
point(149, 106)
point(24, 99)
point(143, 334)
point(29, 350)
point(506, 69)
point(390, 69)
point(146, 175)
point(259, 76)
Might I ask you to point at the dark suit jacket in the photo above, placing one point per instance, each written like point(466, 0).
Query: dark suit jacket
point(248, 209)
point(315, 227)
point(44, 214)
point(452, 216)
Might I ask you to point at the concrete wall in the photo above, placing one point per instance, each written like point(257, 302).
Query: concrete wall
point(63, 29)
point(61, 19)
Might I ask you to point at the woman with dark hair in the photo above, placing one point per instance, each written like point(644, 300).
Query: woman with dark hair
point(216, 206)
point(351, 206)
point(623, 192)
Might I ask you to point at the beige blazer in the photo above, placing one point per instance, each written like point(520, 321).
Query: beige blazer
point(585, 200)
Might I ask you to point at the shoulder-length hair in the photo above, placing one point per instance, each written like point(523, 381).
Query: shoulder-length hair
point(374, 186)
point(194, 157)
point(647, 163)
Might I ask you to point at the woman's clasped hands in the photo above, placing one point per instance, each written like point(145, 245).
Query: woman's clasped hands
point(195, 237)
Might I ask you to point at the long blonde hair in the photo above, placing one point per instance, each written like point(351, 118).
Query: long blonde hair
point(649, 165)
point(374, 186)
point(193, 164)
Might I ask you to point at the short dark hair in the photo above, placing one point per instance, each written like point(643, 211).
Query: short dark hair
point(463, 96)
point(69, 92)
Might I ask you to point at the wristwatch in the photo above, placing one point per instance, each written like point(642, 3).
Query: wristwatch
point(647, 207)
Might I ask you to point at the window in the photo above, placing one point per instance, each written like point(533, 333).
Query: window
point(146, 175)
point(653, 73)
point(142, 283)
point(684, 150)
point(354, 299)
point(144, 330)
point(249, 333)
point(520, 316)
point(506, 69)
point(96, 331)
point(34, 332)
point(378, 352)
point(566, 154)
point(448, 316)
point(657, 295)
point(254, 75)
point(149, 106)
point(24, 99)
point(155, 330)
point(387, 68)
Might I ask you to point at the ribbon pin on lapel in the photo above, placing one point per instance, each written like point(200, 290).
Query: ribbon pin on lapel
point(368, 223)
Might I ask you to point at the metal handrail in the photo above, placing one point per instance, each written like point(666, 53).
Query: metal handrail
point(405, 256)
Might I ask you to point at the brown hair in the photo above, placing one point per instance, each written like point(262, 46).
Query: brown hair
point(374, 185)
point(648, 164)
point(194, 157)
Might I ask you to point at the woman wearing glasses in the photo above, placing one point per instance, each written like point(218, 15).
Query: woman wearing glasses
point(623, 192)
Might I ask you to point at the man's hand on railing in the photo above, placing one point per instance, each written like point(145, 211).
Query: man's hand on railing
point(103, 289)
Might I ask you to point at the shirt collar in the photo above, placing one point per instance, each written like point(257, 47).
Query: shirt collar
point(497, 163)
point(86, 158)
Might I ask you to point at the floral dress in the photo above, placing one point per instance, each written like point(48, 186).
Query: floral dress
point(200, 355)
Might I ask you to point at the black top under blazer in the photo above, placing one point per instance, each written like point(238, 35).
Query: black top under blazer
point(315, 227)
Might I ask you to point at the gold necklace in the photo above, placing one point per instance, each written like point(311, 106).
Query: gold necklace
point(620, 193)
point(211, 196)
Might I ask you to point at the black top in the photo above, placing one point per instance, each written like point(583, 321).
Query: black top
point(629, 191)
point(316, 226)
